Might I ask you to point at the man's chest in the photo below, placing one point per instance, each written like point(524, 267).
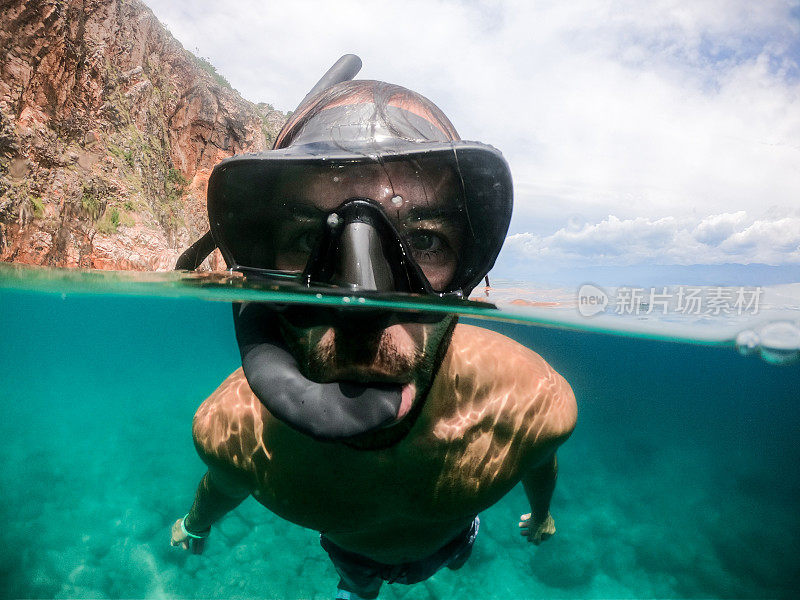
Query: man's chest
point(336, 488)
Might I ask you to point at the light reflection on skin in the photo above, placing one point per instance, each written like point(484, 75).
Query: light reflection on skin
point(494, 409)
point(493, 422)
point(231, 422)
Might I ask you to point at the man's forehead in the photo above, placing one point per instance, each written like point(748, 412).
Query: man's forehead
point(412, 182)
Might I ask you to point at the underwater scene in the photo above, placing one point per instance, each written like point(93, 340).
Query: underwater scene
point(680, 480)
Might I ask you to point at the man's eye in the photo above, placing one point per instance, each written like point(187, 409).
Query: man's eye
point(306, 241)
point(425, 241)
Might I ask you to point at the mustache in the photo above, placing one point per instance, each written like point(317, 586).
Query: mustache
point(375, 350)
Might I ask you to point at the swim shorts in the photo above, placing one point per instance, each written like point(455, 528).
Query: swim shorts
point(362, 576)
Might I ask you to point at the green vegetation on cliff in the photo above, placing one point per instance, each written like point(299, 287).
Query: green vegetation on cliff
point(204, 64)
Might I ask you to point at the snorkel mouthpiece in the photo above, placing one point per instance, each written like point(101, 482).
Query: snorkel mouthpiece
point(325, 411)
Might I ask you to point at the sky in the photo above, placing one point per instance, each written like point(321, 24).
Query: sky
point(664, 132)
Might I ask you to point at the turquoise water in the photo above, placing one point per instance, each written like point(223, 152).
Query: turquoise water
point(681, 479)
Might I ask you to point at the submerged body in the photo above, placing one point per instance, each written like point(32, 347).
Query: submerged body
point(494, 415)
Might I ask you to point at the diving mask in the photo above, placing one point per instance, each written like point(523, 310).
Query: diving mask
point(446, 202)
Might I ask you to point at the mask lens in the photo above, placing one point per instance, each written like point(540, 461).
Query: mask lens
point(272, 214)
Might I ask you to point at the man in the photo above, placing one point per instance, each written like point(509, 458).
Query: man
point(387, 432)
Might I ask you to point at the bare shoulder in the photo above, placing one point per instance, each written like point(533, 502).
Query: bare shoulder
point(228, 425)
point(538, 403)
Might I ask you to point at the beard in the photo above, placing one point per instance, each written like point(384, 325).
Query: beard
point(364, 356)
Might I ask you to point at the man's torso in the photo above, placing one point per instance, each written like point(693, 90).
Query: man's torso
point(485, 420)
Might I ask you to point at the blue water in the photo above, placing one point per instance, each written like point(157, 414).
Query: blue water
point(681, 479)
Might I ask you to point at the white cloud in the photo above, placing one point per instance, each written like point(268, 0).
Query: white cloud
point(717, 239)
point(717, 228)
point(645, 110)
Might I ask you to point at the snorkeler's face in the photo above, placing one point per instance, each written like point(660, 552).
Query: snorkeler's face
point(422, 204)
point(354, 346)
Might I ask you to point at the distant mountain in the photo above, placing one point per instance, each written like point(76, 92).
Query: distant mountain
point(654, 275)
point(109, 130)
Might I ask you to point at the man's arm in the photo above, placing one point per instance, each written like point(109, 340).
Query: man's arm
point(539, 479)
point(539, 484)
point(225, 484)
point(220, 433)
point(217, 495)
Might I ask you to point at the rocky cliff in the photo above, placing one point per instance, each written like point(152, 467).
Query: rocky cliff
point(109, 130)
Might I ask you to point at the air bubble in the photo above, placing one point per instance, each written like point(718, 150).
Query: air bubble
point(747, 342)
point(778, 342)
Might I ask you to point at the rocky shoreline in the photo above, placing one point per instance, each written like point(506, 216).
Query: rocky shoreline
point(109, 130)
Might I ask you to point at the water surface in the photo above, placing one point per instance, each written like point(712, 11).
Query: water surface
point(680, 480)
